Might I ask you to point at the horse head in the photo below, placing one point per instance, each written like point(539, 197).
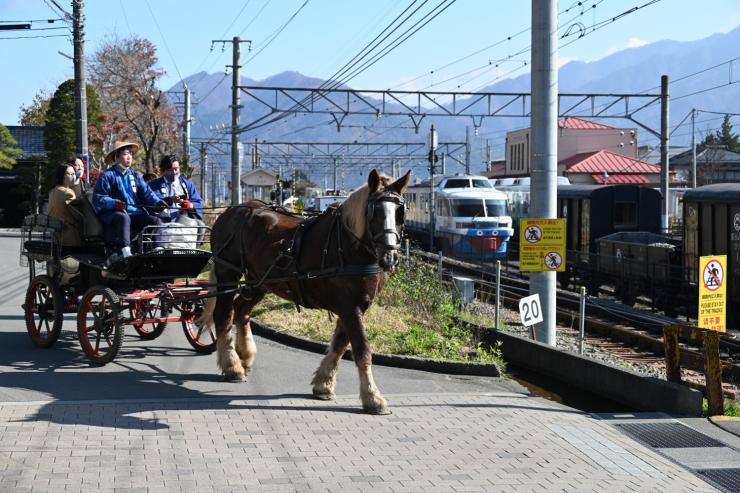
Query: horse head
point(384, 217)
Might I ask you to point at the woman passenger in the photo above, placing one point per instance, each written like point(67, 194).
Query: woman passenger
point(62, 205)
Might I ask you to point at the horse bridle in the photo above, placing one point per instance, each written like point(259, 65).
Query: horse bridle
point(394, 198)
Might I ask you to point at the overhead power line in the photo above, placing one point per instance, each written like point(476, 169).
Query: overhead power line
point(277, 33)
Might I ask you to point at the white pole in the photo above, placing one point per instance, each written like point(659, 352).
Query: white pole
point(544, 147)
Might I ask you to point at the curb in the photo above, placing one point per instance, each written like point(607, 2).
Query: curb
point(731, 424)
point(407, 362)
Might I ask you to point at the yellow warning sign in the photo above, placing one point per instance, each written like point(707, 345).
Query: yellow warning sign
point(541, 245)
point(713, 292)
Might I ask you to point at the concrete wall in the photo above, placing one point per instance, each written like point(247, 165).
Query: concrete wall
point(636, 391)
point(573, 141)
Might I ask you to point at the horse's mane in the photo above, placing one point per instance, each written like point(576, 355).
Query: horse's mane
point(353, 209)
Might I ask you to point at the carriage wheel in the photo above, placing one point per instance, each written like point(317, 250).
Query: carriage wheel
point(99, 324)
point(148, 309)
point(44, 309)
point(203, 340)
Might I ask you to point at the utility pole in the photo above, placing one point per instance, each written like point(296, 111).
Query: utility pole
point(236, 188)
point(186, 137)
point(544, 147)
point(467, 150)
point(488, 157)
point(335, 175)
point(443, 166)
point(214, 180)
point(432, 160)
point(693, 148)
point(78, 36)
point(664, 141)
point(203, 170)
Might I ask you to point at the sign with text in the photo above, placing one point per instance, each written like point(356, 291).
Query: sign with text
point(542, 245)
point(530, 310)
point(713, 292)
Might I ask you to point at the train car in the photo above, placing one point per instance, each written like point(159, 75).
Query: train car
point(517, 197)
point(712, 227)
point(471, 221)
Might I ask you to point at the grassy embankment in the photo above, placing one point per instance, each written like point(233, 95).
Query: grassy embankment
point(414, 315)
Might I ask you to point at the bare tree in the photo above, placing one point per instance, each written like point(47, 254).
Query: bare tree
point(125, 73)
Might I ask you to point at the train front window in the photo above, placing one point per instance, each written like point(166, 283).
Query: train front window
point(457, 183)
point(467, 208)
point(482, 184)
point(496, 208)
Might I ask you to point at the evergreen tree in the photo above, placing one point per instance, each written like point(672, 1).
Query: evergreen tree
point(726, 137)
point(722, 138)
point(8, 149)
point(60, 133)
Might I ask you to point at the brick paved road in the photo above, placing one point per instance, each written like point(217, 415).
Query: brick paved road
point(444, 442)
point(169, 424)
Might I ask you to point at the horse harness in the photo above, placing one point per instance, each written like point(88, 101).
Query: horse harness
point(291, 254)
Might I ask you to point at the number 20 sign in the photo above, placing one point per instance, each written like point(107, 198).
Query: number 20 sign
point(530, 310)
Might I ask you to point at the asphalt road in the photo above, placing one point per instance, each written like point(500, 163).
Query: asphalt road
point(167, 368)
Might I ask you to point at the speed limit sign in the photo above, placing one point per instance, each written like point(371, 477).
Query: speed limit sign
point(530, 310)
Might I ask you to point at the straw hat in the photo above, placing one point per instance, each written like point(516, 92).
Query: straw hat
point(118, 145)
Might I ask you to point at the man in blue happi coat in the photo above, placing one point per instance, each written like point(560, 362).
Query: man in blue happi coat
point(124, 202)
point(172, 186)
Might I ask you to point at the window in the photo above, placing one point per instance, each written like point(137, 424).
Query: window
point(495, 208)
point(467, 208)
point(457, 183)
point(625, 215)
point(482, 184)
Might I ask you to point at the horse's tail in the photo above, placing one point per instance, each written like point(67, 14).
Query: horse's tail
point(206, 318)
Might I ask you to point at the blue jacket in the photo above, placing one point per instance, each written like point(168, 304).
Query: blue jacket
point(130, 188)
point(163, 189)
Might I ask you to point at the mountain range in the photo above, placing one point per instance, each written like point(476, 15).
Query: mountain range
point(634, 70)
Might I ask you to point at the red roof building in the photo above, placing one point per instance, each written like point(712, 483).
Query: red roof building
point(577, 123)
point(605, 167)
point(575, 136)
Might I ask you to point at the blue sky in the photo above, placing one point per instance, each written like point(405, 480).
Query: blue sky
point(327, 33)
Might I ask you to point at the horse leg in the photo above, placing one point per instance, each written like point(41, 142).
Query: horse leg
point(223, 316)
point(245, 346)
point(373, 401)
point(325, 378)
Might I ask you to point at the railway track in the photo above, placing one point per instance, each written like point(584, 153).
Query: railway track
point(633, 334)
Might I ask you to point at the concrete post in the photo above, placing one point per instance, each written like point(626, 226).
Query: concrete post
point(544, 147)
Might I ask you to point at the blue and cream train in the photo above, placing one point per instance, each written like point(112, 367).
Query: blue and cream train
point(471, 218)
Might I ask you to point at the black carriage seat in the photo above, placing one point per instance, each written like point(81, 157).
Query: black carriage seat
point(92, 227)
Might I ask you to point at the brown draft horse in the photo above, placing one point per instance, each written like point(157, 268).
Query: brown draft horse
point(338, 262)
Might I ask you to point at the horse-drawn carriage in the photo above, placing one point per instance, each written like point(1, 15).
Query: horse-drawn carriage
point(144, 291)
point(335, 261)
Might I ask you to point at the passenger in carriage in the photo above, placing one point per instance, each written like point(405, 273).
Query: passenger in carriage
point(63, 205)
point(79, 186)
point(181, 191)
point(124, 202)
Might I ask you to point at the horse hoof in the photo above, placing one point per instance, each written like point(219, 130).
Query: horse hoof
point(377, 411)
point(235, 377)
point(327, 396)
